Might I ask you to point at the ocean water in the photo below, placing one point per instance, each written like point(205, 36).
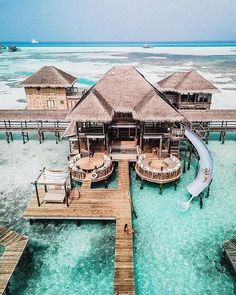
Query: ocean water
point(176, 252)
point(90, 61)
point(65, 257)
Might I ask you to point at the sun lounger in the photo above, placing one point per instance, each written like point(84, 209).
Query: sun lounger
point(55, 196)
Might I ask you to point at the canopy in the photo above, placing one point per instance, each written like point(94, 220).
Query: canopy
point(52, 177)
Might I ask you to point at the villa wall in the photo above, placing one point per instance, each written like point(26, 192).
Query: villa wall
point(46, 98)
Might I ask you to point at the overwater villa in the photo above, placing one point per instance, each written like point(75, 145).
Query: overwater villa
point(51, 89)
point(188, 90)
point(128, 118)
point(123, 118)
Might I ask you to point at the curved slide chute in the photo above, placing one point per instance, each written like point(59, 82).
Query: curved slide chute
point(198, 185)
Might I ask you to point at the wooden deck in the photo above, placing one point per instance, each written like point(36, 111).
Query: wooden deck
point(14, 245)
point(229, 248)
point(100, 204)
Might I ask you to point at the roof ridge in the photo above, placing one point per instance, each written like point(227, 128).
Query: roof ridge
point(102, 100)
point(182, 80)
point(58, 71)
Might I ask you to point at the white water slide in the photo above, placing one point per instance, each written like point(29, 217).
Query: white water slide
point(199, 183)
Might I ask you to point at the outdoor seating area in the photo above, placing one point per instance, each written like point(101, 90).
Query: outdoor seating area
point(158, 170)
point(56, 186)
point(97, 168)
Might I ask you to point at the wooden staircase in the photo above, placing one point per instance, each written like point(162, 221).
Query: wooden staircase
point(86, 184)
point(14, 245)
point(174, 150)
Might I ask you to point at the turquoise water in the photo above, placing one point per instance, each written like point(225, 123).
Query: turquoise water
point(176, 252)
point(67, 259)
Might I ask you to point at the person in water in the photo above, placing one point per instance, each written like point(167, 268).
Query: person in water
point(206, 174)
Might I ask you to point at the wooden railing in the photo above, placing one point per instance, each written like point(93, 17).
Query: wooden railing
point(194, 105)
point(159, 177)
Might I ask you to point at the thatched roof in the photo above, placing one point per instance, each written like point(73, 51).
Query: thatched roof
point(123, 90)
point(210, 115)
point(92, 108)
point(49, 76)
point(154, 108)
point(187, 82)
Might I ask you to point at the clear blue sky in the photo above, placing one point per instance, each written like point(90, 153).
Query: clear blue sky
point(117, 20)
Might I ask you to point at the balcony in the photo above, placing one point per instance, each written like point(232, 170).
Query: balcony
point(76, 92)
point(195, 105)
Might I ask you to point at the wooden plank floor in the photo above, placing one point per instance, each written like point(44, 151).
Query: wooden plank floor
point(111, 204)
point(14, 245)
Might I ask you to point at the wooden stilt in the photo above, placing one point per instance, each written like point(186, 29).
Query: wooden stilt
point(7, 290)
point(175, 185)
point(160, 189)
point(141, 187)
point(223, 137)
point(184, 164)
point(201, 201)
point(208, 190)
point(106, 184)
point(189, 158)
point(9, 136)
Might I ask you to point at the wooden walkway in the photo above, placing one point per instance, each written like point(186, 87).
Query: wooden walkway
point(229, 249)
point(99, 204)
point(14, 245)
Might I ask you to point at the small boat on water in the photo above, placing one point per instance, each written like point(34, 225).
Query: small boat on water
point(34, 41)
point(146, 45)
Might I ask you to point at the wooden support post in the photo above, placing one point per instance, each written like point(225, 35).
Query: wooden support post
point(223, 137)
point(37, 194)
point(197, 167)
point(184, 164)
point(208, 190)
point(201, 201)
point(189, 158)
point(7, 290)
point(220, 136)
point(71, 181)
point(141, 187)
point(106, 183)
point(175, 185)
point(9, 136)
point(160, 189)
point(207, 135)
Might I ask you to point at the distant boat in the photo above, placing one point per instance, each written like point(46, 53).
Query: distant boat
point(146, 45)
point(34, 41)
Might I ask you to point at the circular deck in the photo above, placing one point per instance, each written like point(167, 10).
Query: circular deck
point(89, 164)
point(156, 163)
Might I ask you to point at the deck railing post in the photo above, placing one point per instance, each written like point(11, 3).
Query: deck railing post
point(37, 194)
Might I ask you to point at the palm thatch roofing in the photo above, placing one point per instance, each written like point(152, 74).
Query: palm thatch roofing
point(209, 115)
point(124, 90)
point(49, 76)
point(187, 82)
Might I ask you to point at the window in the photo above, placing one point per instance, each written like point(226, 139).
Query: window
point(50, 103)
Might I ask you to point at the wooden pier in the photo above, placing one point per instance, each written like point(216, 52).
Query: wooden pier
point(99, 204)
point(14, 244)
point(229, 252)
point(25, 121)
